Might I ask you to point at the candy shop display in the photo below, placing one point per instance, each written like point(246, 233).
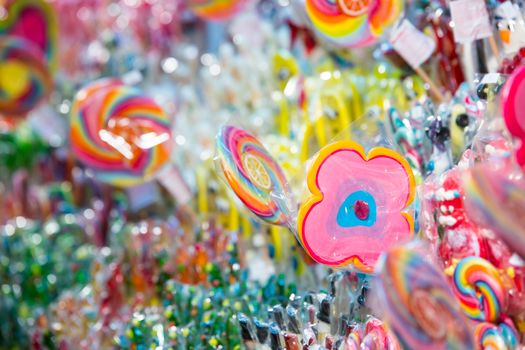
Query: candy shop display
point(257, 174)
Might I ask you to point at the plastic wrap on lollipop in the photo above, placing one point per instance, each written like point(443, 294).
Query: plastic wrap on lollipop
point(254, 176)
point(357, 206)
point(120, 134)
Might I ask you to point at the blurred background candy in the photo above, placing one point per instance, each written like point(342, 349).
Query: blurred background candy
point(132, 162)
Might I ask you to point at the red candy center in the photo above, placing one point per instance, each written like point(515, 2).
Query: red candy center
point(361, 209)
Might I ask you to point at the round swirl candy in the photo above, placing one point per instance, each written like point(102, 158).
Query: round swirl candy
point(479, 287)
point(352, 23)
point(489, 337)
point(25, 79)
point(254, 175)
point(123, 136)
point(216, 10)
point(495, 199)
point(418, 304)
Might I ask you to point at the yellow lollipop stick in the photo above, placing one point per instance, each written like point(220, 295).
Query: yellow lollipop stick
point(356, 102)
point(233, 217)
point(246, 227)
point(307, 134)
point(275, 233)
point(202, 192)
point(343, 115)
point(319, 122)
point(283, 117)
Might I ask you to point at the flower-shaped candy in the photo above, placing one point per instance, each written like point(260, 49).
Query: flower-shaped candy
point(356, 208)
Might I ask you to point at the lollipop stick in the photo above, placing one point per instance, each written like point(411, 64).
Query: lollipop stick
point(173, 181)
point(434, 90)
point(494, 48)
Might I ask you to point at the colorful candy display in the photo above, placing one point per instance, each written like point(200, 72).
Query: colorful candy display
point(34, 82)
point(480, 289)
point(357, 205)
point(254, 175)
point(120, 133)
point(419, 305)
point(350, 24)
point(388, 202)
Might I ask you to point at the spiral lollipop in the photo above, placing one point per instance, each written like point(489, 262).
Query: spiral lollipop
point(120, 134)
point(254, 175)
point(480, 289)
point(495, 199)
point(25, 78)
point(418, 303)
point(352, 23)
point(217, 10)
point(489, 336)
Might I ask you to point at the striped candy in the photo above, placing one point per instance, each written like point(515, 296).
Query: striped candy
point(25, 79)
point(254, 175)
point(123, 136)
point(479, 287)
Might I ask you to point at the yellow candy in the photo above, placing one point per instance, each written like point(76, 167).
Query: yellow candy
point(14, 78)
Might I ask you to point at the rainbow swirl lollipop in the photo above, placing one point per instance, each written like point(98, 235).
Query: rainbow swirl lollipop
point(34, 21)
point(352, 23)
point(254, 175)
point(479, 287)
point(123, 136)
point(418, 303)
point(490, 336)
point(216, 10)
point(25, 79)
point(496, 200)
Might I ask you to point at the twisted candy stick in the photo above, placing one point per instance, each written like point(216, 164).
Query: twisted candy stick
point(478, 285)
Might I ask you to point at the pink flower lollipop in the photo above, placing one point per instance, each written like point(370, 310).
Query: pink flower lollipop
point(356, 209)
